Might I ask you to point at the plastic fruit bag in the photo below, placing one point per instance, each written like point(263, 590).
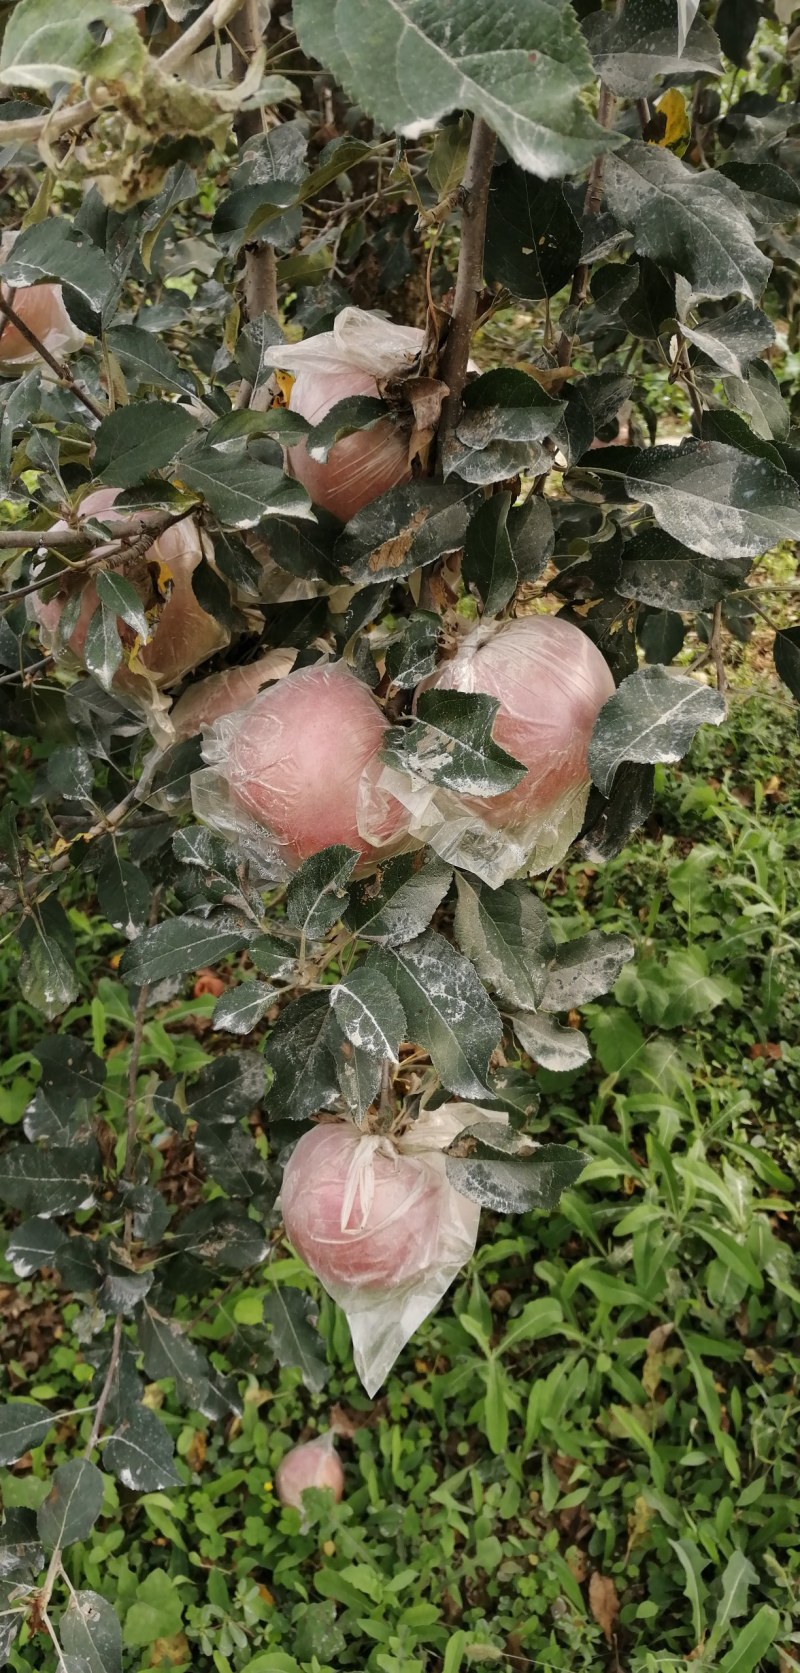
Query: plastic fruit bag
point(350, 360)
point(551, 682)
point(376, 1218)
point(286, 775)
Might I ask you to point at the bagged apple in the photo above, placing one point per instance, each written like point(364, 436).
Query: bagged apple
point(376, 1218)
point(551, 682)
point(361, 349)
point(314, 1464)
point(287, 775)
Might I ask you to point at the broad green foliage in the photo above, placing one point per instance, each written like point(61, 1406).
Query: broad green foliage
point(623, 453)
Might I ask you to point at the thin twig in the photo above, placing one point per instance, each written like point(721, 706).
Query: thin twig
point(210, 21)
point(105, 1392)
point(60, 367)
point(21, 672)
point(260, 267)
point(715, 649)
point(114, 553)
point(475, 193)
point(24, 540)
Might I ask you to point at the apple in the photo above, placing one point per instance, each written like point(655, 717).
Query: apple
point(314, 1464)
point(42, 309)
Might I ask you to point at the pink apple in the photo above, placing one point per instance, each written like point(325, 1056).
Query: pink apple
point(314, 1464)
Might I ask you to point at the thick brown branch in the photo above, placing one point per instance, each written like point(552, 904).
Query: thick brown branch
point(60, 367)
point(260, 268)
point(475, 190)
point(591, 206)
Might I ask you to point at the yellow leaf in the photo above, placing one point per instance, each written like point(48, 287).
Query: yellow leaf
point(672, 106)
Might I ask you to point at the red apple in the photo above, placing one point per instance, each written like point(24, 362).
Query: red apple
point(315, 1464)
point(358, 1211)
point(302, 761)
point(221, 694)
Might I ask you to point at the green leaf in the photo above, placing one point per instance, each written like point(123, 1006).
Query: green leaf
point(179, 945)
point(400, 902)
point(692, 1563)
point(135, 440)
point(652, 717)
point(359, 1077)
point(659, 571)
point(753, 1642)
point(230, 1158)
point(411, 656)
point(786, 653)
point(239, 489)
point(124, 895)
point(73, 1504)
point(148, 361)
point(734, 338)
point(583, 969)
point(714, 499)
point(54, 250)
point(771, 194)
point(533, 241)
point(509, 1173)
point(638, 47)
point(34, 1244)
point(369, 1012)
point(317, 895)
point(506, 935)
point(140, 1452)
point(448, 157)
point(47, 976)
point(70, 1069)
point(242, 1008)
point(89, 1628)
point(488, 563)
point(450, 743)
point(410, 526)
point(416, 64)
point(292, 1317)
point(102, 652)
point(52, 1181)
point(23, 1424)
point(157, 1612)
point(120, 596)
point(300, 1053)
point(545, 1041)
point(45, 45)
point(692, 222)
point(660, 634)
point(448, 1011)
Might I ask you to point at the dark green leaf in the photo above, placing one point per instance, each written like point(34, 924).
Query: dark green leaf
point(23, 1424)
point(292, 1317)
point(70, 773)
point(359, 1077)
point(661, 635)
point(52, 1181)
point(659, 571)
point(47, 976)
point(692, 222)
point(170, 785)
point(652, 717)
point(181, 944)
point(124, 895)
point(73, 1504)
point(52, 249)
point(505, 1171)
point(413, 67)
point(369, 1012)
point(400, 903)
point(533, 241)
point(317, 895)
point(447, 1009)
point(140, 1453)
point(228, 1088)
point(102, 650)
point(786, 652)
point(404, 529)
point(355, 412)
point(89, 1628)
point(734, 338)
point(239, 489)
point(148, 361)
point(559, 1049)
point(242, 1008)
point(488, 563)
point(121, 596)
point(712, 498)
point(634, 49)
point(34, 1244)
point(506, 935)
point(506, 414)
point(771, 194)
point(230, 1158)
point(584, 969)
point(144, 437)
point(412, 655)
point(168, 1353)
point(450, 743)
point(300, 1053)
point(70, 1069)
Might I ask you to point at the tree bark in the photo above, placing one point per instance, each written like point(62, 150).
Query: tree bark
point(475, 192)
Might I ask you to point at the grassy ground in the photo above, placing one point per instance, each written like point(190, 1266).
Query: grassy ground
point(588, 1457)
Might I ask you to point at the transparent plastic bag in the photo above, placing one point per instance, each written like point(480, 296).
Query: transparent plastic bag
point(42, 309)
point(352, 359)
point(378, 1221)
point(551, 681)
point(286, 776)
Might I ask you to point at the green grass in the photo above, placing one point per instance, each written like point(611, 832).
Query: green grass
point(588, 1457)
